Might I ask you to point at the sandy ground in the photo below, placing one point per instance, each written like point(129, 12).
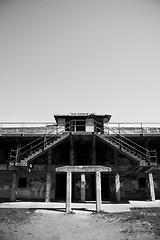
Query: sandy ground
point(52, 223)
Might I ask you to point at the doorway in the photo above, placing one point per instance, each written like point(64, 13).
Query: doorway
point(105, 187)
point(60, 193)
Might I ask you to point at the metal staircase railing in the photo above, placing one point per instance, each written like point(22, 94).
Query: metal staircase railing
point(127, 146)
point(115, 139)
point(37, 147)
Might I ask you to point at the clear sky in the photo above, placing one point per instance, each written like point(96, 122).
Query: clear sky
point(62, 56)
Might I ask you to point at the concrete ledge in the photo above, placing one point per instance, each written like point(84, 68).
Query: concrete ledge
point(89, 207)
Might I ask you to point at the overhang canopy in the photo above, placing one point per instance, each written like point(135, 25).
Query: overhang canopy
point(83, 169)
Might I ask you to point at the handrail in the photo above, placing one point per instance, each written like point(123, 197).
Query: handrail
point(40, 144)
point(39, 128)
point(147, 152)
point(106, 128)
point(42, 141)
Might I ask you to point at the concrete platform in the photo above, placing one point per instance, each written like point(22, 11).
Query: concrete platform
point(88, 207)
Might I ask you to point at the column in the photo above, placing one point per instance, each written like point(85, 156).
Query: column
point(18, 147)
point(48, 187)
point(71, 150)
point(151, 187)
point(116, 159)
point(117, 188)
point(48, 179)
point(94, 150)
point(14, 187)
point(54, 185)
point(68, 192)
point(98, 191)
point(83, 187)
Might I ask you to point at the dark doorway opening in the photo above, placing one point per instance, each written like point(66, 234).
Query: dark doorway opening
point(93, 187)
point(105, 187)
point(60, 187)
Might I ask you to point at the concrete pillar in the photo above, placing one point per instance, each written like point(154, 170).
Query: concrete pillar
point(54, 185)
point(48, 187)
point(98, 192)
point(94, 150)
point(18, 147)
point(117, 188)
point(48, 179)
point(116, 159)
point(83, 180)
point(151, 187)
point(71, 151)
point(68, 192)
point(14, 187)
point(50, 157)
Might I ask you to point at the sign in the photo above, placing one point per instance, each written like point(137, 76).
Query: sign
point(81, 114)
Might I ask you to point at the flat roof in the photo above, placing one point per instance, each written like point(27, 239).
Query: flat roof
point(82, 116)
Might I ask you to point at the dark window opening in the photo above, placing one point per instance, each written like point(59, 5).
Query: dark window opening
point(80, 125)
point(60, 187)
point(142, 182)
point(22, 183)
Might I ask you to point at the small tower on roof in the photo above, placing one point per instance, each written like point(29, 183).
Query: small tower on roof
point(82, 122)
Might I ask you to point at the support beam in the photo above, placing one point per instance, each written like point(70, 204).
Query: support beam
point(94, 150)
point(71, 150)
point(48, 187)
point(54, 185)
point(50, 157)
point(98, 191)
point(48, 179)
point(116, 159)
point(14, 187)
point(68, 192)
point(117, 188)
point(83, 180)
point(151, 187)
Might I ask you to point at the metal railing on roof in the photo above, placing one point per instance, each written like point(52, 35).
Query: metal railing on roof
point(39, 128)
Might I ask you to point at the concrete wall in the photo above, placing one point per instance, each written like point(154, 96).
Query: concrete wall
point(33, 186)
point(29, 185)
point(5, 185)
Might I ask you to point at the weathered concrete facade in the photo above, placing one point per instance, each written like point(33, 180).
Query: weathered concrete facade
point(109, 163)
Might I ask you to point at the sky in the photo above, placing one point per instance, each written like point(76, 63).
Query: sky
point(95, 56)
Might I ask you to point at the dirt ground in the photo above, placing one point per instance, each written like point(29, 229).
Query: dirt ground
point(42, 224)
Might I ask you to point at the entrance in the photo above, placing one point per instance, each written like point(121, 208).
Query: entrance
point(105, 187)
point(60, 193)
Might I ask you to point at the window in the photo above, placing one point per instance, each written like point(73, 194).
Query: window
point(142, 182)
point(22, 183)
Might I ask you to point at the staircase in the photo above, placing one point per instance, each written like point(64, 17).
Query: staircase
point(135, 152)
point(130, 149)
point(25, 155)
